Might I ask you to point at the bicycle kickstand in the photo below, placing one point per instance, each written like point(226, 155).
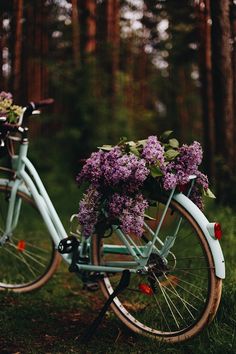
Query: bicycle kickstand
point(123, 284)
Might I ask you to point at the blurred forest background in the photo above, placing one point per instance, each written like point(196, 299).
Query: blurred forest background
point(125, 68)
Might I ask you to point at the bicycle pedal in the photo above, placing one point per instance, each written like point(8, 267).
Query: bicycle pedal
point(68, 245)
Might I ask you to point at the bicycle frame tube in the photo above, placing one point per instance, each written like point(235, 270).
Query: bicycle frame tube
point(38, 192)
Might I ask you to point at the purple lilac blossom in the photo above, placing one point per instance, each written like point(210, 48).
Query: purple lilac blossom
point(153, 151)
point(202, 180)
point(89, 211)
point(5, 96)
point(185, 164)
point(92, 171)
point(130, 212)
point(127, 168)
point(196, 197)
point(169, 181)
point(177, 172)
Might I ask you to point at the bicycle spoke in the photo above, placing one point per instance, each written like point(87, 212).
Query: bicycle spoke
point(160, 309)
point(164, 287)
point(183, 301)
point(198, 268)
point(189, 292)
point(37, 247)
point(196, 275)
point(26, 253)
point(22, 259)
point(30, 254)
point(167, 302)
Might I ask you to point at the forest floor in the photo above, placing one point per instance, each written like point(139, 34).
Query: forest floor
point(55, 318)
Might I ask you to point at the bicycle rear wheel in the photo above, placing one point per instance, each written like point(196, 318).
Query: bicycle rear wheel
point(28, 259)
point(173, 301)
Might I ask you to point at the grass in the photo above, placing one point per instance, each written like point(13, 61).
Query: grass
point(55, 318)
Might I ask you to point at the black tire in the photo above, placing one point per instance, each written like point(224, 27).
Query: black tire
point(28, 259)
point(185, 294)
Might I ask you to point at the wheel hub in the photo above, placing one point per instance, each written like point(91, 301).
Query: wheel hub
point(156, 265)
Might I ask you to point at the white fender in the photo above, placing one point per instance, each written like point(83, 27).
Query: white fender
point(202, 221)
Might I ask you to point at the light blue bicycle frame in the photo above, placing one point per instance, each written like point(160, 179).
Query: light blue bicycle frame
point(27, 180)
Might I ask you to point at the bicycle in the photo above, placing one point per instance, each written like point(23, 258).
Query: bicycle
point(176, 268)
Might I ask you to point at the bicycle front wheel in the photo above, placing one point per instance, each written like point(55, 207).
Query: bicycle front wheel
point(173, 300)
point(28, 258)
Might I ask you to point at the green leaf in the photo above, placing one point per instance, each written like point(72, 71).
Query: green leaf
point(208, 193)
point(174, 143)
point(134, 151)
point(123, 140)
point(171, 154)
point(105, 147)
point(131, 143)
point(164, 136)
point(155, 171)
point(12, 117)
point(141, 142)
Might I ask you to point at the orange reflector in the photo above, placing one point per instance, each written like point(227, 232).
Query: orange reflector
point(217, 231)
point(21, 245)
point(146, 289)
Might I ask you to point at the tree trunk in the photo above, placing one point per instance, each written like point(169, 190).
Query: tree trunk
point(90, 42)
point(113, 38)
point(181, 103)
point(205, 66)
point(223, 81)
point(16, 68)
point(233, 29)
point(129, 99)
point(143, 77)
point(75, 33)
point(37, 51)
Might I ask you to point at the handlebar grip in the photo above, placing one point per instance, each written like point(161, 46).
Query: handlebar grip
point(43, 103)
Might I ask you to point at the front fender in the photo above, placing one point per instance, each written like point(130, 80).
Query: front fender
point(202, 221)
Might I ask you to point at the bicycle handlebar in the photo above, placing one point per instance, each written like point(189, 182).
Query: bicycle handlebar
point(27, 112)
point(35, 105)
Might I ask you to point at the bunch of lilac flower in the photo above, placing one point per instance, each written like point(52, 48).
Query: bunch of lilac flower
point(107, 172)
point(116, 177)
point(177, 172)
point(113, 168)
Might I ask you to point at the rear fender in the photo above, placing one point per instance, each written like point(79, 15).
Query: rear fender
point(202, 221)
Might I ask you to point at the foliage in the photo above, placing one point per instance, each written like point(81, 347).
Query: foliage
point(122, 180)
